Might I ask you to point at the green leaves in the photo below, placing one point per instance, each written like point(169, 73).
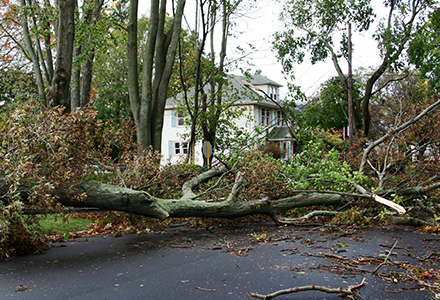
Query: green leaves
point(424, 50)
point(314, 169)
point(312, 26)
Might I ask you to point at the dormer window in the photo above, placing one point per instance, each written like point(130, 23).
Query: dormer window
point(273, 92)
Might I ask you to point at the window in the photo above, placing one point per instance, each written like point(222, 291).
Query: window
point(180, 148)
point(180, 119)
point(265, 116)
point(273, 92)
point(286, 150)
point(280, 119)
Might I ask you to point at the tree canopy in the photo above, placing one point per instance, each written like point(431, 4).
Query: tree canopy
point(423, 50)
point(320, 28)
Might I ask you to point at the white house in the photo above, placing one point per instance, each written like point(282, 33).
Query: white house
point(260, 98)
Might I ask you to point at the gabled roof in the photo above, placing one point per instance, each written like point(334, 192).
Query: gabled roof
point(238, 85)
point(279, 134)
point(258, 79)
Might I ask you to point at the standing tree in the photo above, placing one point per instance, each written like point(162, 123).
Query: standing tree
point(202, 69)
point(48, 36)
point(213, 104)
point(89, 34)
point(60, 86)
point(148, 104)
point(321, 20)
point(208, 103)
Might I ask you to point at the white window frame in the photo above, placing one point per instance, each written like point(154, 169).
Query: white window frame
point(273, 92)
point(180, 119)
point(180, 148)
point(265, 116)
point(280, 118)
point(286, 146)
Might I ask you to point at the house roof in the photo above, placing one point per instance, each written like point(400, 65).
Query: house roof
point(238, 87)
point(279, 134)
point(258, 79)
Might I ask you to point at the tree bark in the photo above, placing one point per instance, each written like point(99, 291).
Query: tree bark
point(87, 66)
point(160, 52)
point(351, 113)
point(99, 195)
point(60, 90)
point(32, 54)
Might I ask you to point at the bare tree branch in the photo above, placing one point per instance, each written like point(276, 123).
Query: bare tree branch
point(392, 132)
point(347, 291)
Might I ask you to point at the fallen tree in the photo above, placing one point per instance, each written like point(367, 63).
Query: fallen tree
point(96, 194)
point(99, 195)
point(50, 160)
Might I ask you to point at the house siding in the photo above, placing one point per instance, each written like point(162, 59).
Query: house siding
point(172, 132)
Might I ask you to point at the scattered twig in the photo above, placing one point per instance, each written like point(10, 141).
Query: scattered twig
point(281, 221)
point(348, 291)
point(386, 258)
point(206, 290)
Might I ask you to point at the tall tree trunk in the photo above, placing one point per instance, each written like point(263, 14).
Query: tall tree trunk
point(76, 80)
point(60, 90)
point(87, 66)
point(351, 112)
point(83, 72)
point(132, 53)
point(213, 108)
point(160, 52)
point(47, 43)
point(76, 71)
point(32, 53)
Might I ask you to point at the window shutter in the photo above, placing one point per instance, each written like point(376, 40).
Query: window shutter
point(259, 115)
point(173, 118)
point(170, 148)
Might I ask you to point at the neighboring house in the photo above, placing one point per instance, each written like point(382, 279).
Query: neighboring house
point(258, 95)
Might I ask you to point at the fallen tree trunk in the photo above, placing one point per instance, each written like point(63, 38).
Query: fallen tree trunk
point(95, 194)
point(99, 195)
point(105, 196)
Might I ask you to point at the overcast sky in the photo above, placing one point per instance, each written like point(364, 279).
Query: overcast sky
point(256, 26)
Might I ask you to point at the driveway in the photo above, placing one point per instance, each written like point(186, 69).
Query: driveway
point(226, 263)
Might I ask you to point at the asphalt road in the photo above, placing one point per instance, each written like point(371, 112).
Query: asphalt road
point(186, 263)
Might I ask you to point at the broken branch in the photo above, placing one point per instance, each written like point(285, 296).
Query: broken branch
point(348, 291)
point(386, 258)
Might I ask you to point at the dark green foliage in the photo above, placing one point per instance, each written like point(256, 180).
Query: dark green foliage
point(424, 50)
point(16, 86)
point(329, 109)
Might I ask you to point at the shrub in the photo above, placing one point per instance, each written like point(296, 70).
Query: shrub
point(42, 149)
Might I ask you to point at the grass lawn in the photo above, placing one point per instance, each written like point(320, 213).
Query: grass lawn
point(55, 224)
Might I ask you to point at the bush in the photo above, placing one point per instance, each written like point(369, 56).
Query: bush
point(42, 149)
